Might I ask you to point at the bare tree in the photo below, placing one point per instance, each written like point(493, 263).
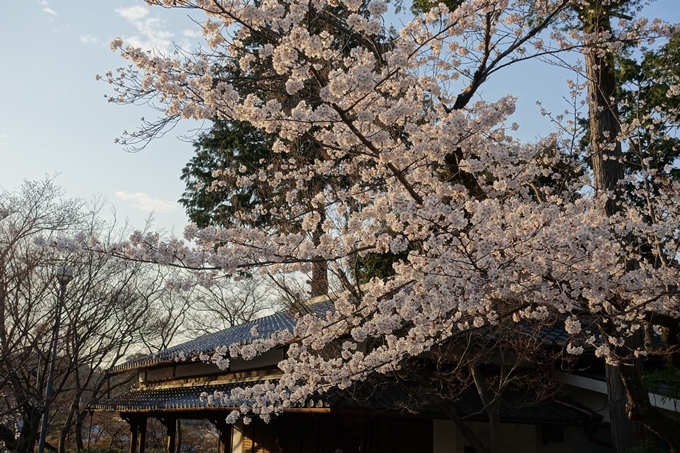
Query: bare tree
point(229, 303)
point(26, 297)
point(110, 309)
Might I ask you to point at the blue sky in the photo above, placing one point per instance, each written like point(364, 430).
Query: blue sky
point(54, 118)
point(53, 114)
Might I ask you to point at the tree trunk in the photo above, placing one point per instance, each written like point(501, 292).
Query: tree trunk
point(467, 432)
point(670, 337)
point(319, 281)
point(626, 433)
point(28, 436)
point(638, 407)
point(448, 407)
point(491, 409)
point(605, 154)
point(80, 419)
point(68, 424)
point(605, 149)
point(637, 411)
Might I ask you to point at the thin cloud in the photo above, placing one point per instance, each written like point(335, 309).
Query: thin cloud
point(151, 31)
point(192, 33)
point(3, 135)
point(89, 39)
point(133, 13)
point(145, 202)
point(49, 10)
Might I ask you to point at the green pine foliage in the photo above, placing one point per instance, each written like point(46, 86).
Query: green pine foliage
point(227, 145)
point(643, 92)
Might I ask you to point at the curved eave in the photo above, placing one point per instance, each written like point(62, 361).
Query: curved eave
point(241, 334)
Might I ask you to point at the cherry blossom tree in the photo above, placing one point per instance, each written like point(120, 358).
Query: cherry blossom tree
point(612, 157)
point(491, 229)
point(109, 309)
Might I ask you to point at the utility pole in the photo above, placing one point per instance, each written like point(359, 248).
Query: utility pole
point(64, 276)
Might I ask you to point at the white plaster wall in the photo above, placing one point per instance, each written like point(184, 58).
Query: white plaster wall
point(237, 437)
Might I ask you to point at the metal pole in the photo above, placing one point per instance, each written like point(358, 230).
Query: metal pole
point(63, 278)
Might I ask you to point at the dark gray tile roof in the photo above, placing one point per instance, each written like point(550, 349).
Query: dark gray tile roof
point(240, 334)
point(552, 335)
point(162, 399)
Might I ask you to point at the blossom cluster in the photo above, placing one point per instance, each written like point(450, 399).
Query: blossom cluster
point(412, 164)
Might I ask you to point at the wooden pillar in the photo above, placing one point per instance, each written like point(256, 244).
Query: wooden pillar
point(142, 434)
point(172, 439)
point(134, 431)
point(225, 431)
point(178, 430)
point(172, 426)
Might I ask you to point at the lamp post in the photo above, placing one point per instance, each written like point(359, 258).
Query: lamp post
point(64, 275)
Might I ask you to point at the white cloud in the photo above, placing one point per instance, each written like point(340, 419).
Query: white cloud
point(49, 10)
point(192, 33)
point(151, 31)
point(145, 202)
point(133, 13)
point(3, 135)
point(89, 39)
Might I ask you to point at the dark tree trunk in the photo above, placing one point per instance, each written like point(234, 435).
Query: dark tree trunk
point(635, 405)
point(626, 433)
point(80, 420)
point(605, 149)
point(638, 407)
point(28, 436)
point(491, 409)
point(448, 407)
point(68, 424)
point(319, 281)
point(465, 430)
point(669, 336)
point(605, 154)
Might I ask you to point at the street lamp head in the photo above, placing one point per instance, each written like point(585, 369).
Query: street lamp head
point(64, 275)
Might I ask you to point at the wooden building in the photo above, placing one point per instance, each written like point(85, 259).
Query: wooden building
point(169, 389)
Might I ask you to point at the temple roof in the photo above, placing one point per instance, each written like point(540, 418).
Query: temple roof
point(551, 334)
point(185, 397)
point(241, 334)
